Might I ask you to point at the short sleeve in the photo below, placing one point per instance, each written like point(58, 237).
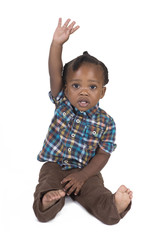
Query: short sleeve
point(107, 142)
point(58, 99)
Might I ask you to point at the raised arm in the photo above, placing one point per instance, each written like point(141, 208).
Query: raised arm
point(61, 35)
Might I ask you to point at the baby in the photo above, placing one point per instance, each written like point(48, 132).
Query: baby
point(80, 139)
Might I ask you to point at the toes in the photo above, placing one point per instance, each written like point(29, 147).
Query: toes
point(47, 197)
point(128, 191)
point(57, 195)
point(122, 189)
point(53, 195)
point(131, 194)
point(61, 193)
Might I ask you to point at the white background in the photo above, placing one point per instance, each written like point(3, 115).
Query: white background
point(125, 35)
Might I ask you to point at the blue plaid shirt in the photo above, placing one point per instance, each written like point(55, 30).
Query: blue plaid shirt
point(74, 136)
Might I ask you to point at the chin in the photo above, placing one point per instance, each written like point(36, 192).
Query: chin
point(83, 109)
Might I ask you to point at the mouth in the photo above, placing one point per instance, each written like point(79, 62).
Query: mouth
point(83, 103)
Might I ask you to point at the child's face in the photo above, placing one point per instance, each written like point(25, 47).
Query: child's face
point(84, 87)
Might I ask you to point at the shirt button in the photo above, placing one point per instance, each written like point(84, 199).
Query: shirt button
point(94, 132)
point(66, 161)
point(69, 149)
point(81, 112)
point(72, 135)
point(77, 121)
point(64, 114)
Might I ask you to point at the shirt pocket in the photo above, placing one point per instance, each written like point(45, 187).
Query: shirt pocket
point(92, 136)
point(63, 120)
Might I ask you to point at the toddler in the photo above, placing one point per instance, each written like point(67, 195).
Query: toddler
point(80, 139)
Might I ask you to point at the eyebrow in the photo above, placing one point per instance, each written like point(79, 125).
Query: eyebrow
point(79, 80)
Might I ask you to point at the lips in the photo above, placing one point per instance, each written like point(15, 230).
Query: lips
point(83, 103)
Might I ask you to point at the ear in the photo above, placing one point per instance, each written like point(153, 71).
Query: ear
point(103, 92)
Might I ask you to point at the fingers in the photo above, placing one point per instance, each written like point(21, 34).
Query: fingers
point(59, 22)
point(71, 185)
point(66, 179)
point(66, 22)
point(75, 29)
point(70, 26)
point(69, 188)
point(72, 189)
point(77, 190)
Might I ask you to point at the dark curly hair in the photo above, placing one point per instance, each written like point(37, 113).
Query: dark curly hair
point(77, 62)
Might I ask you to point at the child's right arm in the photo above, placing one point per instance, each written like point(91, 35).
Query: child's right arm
point(61, 35)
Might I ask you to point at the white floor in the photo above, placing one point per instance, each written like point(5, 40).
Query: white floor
point(125, 35)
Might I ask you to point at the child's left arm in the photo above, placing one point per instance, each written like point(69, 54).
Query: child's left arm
point(76, 180)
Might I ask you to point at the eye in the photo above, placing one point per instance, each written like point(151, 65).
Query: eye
point(75, 85)
point(93, 87)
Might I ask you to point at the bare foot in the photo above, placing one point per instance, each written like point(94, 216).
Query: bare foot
point(51, 197)
point(123, 197)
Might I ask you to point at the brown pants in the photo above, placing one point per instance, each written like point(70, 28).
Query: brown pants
point(94, 197)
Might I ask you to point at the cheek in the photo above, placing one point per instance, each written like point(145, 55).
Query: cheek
point(67, 91)
point(70, 94)
point(96, 95)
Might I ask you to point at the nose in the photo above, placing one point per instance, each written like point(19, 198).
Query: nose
point(84, 92)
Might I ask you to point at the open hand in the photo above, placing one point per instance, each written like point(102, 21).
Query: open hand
point(62, 33)
point(74, 182)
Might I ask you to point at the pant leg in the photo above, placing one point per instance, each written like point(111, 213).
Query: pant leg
point(49, 179)
point(99, 201)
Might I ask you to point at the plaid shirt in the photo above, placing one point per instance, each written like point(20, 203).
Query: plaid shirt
point(74, 136)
